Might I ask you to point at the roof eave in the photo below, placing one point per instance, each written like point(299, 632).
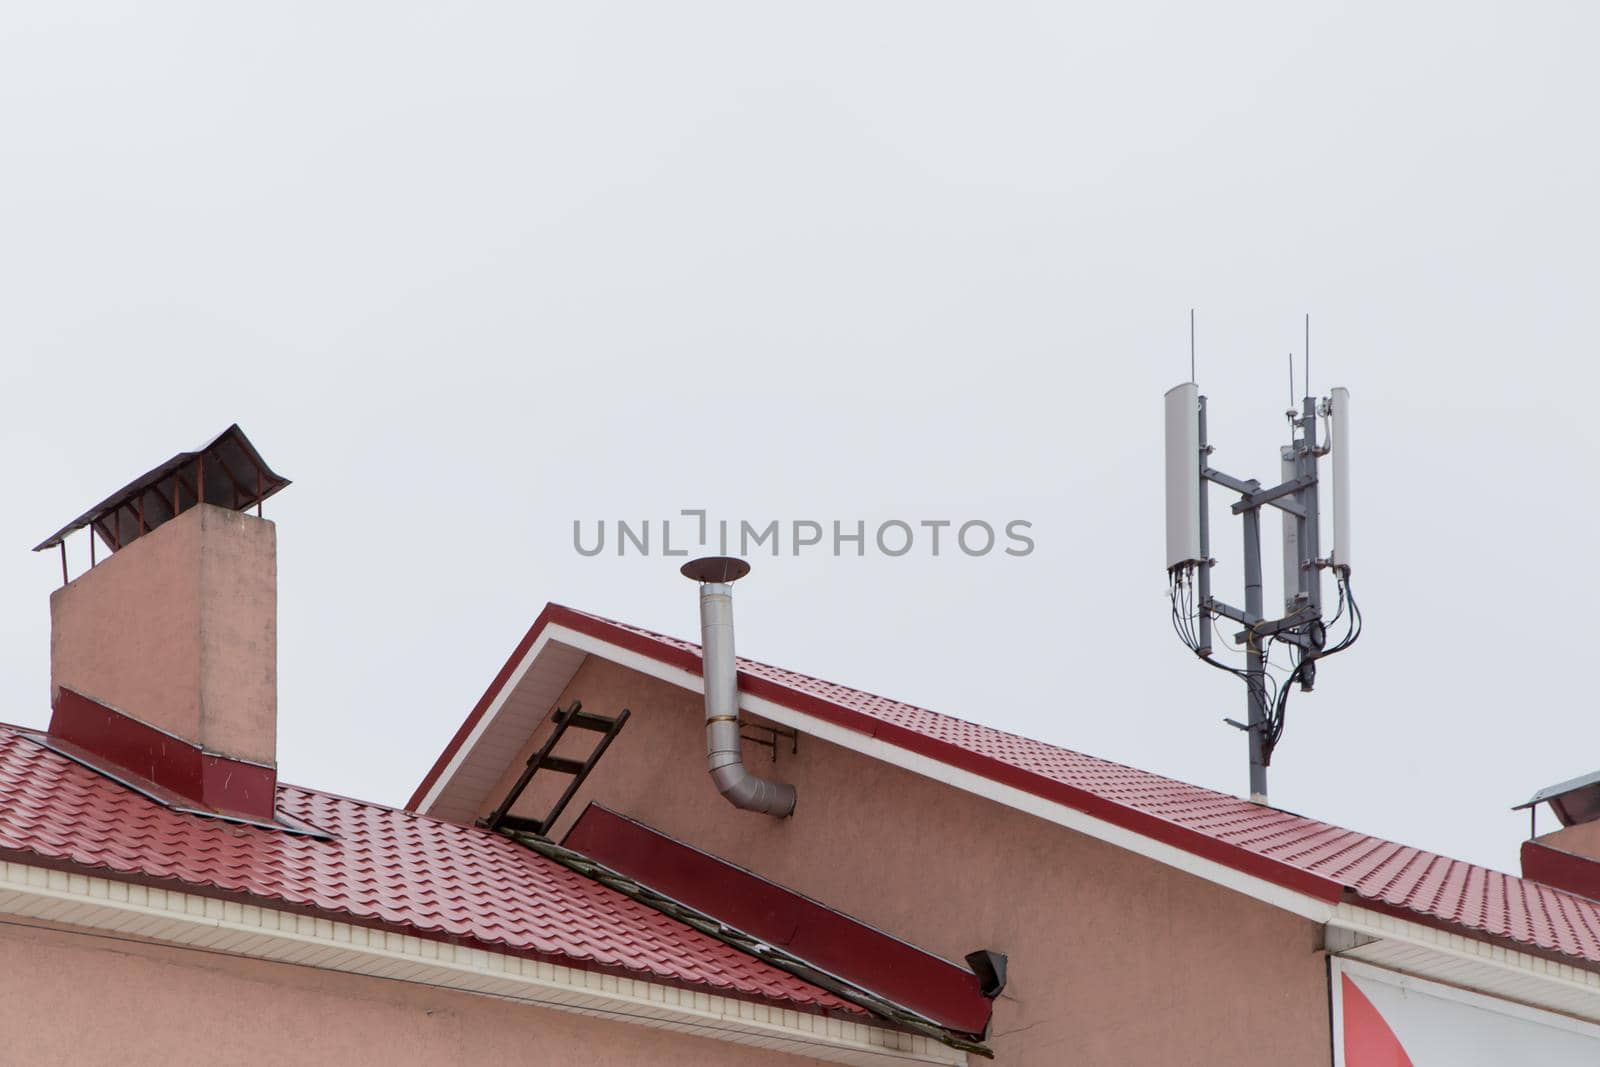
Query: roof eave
point(211, 892)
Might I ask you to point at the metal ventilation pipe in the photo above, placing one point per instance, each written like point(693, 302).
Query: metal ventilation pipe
point(724, 752)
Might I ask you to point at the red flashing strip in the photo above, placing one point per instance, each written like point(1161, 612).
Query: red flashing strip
point(1561, 870)
point(932, 987)
point(951, 755)
point(204, 779)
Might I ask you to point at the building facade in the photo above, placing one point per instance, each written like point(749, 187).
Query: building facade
point(569, 885)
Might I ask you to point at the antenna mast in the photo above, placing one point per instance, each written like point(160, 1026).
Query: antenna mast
point(1301, 631)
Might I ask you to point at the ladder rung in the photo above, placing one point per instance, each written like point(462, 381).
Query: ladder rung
point(572, 715)
point(584, 721)
point(561, 765)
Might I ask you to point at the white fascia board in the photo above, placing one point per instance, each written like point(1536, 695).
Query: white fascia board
point(1493, 968)
point(1289, 900)
point(485, 720)
point(188, 920)
point(1445, 991)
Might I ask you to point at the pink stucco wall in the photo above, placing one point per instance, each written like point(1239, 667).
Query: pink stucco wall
point(67, 998)
point(179, 629)
point(1580, 840)
point(1115, 959)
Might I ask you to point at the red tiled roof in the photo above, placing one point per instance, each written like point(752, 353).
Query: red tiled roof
point(382, 867)
point(1290, 850)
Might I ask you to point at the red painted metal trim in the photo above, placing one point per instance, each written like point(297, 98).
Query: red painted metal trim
point(1146, 825)
point(1562, 870)
point(827, 939)
point(205, 779)
point(33, 859)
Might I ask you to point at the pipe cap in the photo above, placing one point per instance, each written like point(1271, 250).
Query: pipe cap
point(715, 569)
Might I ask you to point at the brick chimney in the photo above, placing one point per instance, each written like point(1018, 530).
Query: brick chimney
point(164, 656)
point(1568, 857)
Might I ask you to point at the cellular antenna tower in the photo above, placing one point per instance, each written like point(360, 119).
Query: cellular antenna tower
point(1301, 632)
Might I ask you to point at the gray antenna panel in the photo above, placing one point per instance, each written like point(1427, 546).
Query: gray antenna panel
point(1291, 541)
point(1183, 475)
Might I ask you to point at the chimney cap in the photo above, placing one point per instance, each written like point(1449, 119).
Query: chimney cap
point(226, 471)
point(1575, 800)
point(715, 569)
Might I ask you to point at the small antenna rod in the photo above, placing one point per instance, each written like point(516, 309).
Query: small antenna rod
point(1191, 344)
point(1291, 381)
point(1308, 353)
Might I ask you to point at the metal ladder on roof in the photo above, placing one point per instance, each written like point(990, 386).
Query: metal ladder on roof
point(571, 717)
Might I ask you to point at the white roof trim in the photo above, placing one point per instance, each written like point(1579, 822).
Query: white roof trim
point(186, 919)
point(1458, 995)
point(1504, 973)
point(484, 721)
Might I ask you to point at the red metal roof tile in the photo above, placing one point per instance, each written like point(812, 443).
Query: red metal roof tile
point(382, 867)
point(1285, 848)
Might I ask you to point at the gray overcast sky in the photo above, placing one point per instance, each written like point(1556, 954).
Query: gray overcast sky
point(469, 272)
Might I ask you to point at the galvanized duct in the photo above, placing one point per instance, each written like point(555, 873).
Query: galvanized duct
point(724, 752)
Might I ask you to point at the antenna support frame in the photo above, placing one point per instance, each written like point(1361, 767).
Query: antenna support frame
point(1301, 626)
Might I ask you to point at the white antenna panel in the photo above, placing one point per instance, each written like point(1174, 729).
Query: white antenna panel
point(1339, 444)
point(1183, 474)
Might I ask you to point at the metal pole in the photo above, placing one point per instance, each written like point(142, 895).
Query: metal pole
point(1310, 529)
point(1256, 683)
point(1203, 578)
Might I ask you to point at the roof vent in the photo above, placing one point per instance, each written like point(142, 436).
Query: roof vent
point(720, 668)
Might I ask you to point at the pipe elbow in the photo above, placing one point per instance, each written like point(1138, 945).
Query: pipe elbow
point(751, 792)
